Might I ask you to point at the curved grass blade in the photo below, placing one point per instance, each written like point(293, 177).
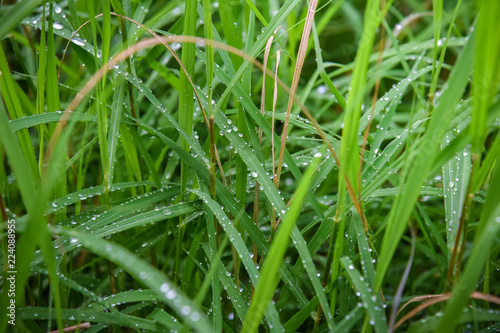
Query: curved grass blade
point(269, 277)
point(147, 275)
point(489, 226)
point(46, 118)
point(370, 298)
point(81, 315)
point(421, 157)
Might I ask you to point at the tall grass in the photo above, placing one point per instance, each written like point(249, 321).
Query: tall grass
point(255, 166)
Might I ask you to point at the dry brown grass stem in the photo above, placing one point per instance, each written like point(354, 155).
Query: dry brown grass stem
point(74, 328)
point(304, 41)
point(434, 299)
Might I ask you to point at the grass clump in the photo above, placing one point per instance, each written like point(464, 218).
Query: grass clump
point(218, 166)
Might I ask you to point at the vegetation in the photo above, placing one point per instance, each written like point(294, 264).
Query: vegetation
point(251, 166)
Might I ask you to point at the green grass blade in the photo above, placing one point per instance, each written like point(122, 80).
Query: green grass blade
point(456, 173)
point(114, 130)
point(244, 255)
point(370, 298)
point(186, 97)
point(16, 14)
point(349, 159)
point(269, 276)
point(420, 158)
point(8, 91)
point(487, 72)
point(147, 275)
point(489, 227)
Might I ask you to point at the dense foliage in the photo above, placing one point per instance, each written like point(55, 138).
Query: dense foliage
point(300, 166)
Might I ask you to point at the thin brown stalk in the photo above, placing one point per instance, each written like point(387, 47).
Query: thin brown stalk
point(221, 169)
point(296, 76)
point(434, 299)
point(73, 328)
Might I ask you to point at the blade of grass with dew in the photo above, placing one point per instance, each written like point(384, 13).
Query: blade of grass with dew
point(114, 129)
point(186, 93)
point(456, 174)
point(460, 143)
point(45, 118)
point(409, 48)
point(212, 243)
point(365, 251)
point(223, 194)
point(148, 275)
point(311, 270)
point(38, 313)
point(164, 318)
point(349, 159)
point(253, 111)
point(245, 257)
point(75, 197)
point(144, 219)
point(487, 229)
point(53, 102)
point(370, 298)
point(101, 303)
point(232, 290)
point(105, 223)
point(269, 276)
point(421, 156)
point(347, 324)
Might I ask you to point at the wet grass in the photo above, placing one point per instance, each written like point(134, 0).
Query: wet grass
point(311, 167)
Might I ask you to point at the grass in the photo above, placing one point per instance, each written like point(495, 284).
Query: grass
point(250, 166)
